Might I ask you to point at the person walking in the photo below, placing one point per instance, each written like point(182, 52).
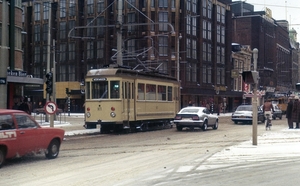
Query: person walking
point(296, 112)
point(289, 113)
point(268, 109)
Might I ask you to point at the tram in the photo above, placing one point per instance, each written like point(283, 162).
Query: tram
point(131, 100)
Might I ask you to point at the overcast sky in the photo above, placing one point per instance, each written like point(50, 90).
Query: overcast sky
point(281, 10)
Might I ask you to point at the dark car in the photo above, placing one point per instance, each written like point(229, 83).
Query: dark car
point(244, 114)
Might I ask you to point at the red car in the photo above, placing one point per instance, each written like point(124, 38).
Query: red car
point(21, 135)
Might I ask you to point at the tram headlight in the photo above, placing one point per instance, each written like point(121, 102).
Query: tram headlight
point(112, 114)
point(88, 114)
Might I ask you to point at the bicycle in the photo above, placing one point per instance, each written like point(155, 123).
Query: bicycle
point(268, 121)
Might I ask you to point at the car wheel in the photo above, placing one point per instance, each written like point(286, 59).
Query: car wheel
point(280, 117)
point(274, 117)
point(2, 157)
point(53, 149)
point(216, 125)
point(204, 126)
point(235, 122)
point(179, 128)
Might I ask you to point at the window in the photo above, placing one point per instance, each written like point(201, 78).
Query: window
point(204, 74)
point(188, 48)
point(204, 51)
point(100, 6)
point(209, 74)
point(115, 89)
point(150, 92)
point(188, 72)
point(71, 72)
point(141, 91)
point(62, 30)
point(71, 26)
point(204, 35)
point(99, 90)
point(90, 6)
point(131, 46)
point(90, 31)
point(170, 93)
point(163, 45)
point(100, 30)
point(6, 122)
point(62, 52)
point(37, 33)
point(72, 8)
point(194, 72)
point(209, 52)
point(163, 3)
point(194, 49)
point(131, 19)
point(131, 3)
point(90, 50)
point(100, 49)
point(162, 93)
point(62, 73)
point(46, 10)
point(37, 11)
point(37, 51)
point(24, 121)
point(62, 8)
point(204, 8)
point(45, 32)
point(163, 19)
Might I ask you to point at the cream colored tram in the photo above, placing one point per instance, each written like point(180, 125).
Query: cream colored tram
point(119, 98)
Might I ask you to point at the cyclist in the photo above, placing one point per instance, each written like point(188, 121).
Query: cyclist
point(268, 109)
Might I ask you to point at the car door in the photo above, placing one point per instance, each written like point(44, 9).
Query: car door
point(29, 136)
point(8, 135)
point(209, 116)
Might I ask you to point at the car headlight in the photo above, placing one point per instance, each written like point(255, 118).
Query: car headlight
point(88, 114)
point(112, 114)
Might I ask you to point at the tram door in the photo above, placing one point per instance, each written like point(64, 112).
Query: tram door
point(127, 99)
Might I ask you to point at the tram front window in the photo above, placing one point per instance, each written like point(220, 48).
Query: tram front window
point(115, 89)
point(99, 90)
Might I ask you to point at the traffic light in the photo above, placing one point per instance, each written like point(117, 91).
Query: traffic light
point(49, 82)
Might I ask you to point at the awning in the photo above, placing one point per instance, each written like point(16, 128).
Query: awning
point(24, 80)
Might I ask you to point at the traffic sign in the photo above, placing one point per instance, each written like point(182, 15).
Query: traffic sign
point(50, 107)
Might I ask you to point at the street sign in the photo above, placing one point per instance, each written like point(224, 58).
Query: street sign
point(50, 107)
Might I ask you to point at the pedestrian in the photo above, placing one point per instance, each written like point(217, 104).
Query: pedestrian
point(24, 106)
point(190, 103)
point(296, 112)
point(289, 113)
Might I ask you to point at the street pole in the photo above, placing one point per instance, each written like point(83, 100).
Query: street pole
point(254, 103)
point(178, 61)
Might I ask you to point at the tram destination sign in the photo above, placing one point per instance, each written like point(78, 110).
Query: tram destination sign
point(99, 79)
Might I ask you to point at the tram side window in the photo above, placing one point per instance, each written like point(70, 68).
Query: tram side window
point(150, 92)
point(161, 93)
point(87, 91)
point(170, 93)
point(99, 90)
point(115, 89)
point(141, 91)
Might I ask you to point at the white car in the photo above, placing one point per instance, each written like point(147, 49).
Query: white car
point(192, 117)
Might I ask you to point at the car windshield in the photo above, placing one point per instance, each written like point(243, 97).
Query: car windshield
point(189, 110)
point(244, 108)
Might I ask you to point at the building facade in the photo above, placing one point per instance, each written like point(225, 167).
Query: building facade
point(190, 40)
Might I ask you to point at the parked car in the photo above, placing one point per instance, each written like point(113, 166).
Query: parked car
point(21, 135)
point(244, 114)
point(277, 112)
point(192, 117)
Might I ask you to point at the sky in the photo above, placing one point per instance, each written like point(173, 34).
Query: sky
point(281, 10)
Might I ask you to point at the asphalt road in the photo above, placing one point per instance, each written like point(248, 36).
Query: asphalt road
point(163, 157)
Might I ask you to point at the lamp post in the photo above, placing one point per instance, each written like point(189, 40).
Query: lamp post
point(178, 62)
point(254, 104)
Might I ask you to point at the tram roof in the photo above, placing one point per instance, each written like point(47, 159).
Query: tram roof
point(115, 71)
